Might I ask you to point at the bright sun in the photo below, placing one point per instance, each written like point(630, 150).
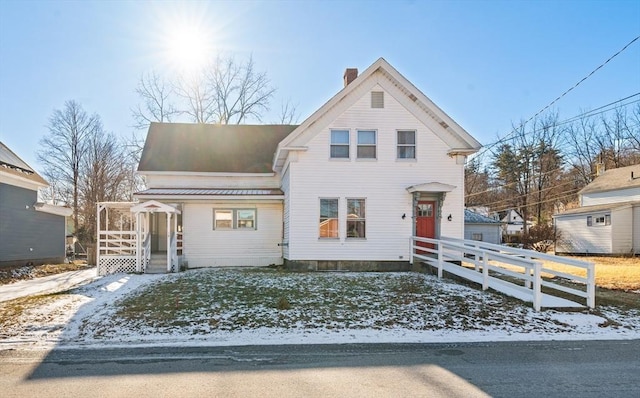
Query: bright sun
point(188, 49)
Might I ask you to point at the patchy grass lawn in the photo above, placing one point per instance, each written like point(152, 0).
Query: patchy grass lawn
point(18, 273)
point(247, 299)
point(201, 302)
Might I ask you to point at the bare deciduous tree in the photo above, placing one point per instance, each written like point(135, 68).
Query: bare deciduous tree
point(104, 177)
point(226, 91)
point(157, 102)
point(63, 148)
point(288, 113)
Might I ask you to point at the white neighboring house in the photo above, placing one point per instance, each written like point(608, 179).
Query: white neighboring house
point(346, 189)
point(608, 219)
point(482, 228)
point(513, 223)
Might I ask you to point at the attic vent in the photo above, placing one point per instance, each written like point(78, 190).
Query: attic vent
point(377, 99)
point(444, 125)
point(413, 97)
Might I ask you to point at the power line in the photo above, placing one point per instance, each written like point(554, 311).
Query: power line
point(589, 113)
point(563, 94)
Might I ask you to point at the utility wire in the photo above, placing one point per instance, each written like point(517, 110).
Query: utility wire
point(564, 93)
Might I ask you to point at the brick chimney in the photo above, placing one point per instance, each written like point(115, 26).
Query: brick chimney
point(350, 75)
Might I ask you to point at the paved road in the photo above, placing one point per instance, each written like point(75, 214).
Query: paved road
point(47, 284)
point(539, 369)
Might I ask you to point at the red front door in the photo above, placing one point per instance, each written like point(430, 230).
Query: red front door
point(425, 222)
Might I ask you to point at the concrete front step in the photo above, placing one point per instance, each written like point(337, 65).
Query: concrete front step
point(156, 269)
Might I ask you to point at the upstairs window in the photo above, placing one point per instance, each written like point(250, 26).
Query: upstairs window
point(406, 144)
point(366, 144)
point(340, 144)
point(328, 218)
point(356, 218)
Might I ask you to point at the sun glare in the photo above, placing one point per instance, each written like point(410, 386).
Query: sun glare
point(188, 49)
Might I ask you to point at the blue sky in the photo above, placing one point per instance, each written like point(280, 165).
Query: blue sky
point(488, 64)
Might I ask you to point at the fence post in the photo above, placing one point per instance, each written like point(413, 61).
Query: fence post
point(527, 270)
point(591, 286)
point(439, 259)
point(485, 270)
point(537, 285)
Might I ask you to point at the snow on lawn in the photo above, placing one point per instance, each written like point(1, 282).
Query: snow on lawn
point(245, 307)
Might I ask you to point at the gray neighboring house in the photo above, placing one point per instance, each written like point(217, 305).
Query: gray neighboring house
point(482, 228)
point(608, 219)
point(31, 232)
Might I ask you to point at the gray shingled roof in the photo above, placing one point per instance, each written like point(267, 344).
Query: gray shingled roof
point(471, 217)
point(211, 147)
point(12, 164)
point(614, 179)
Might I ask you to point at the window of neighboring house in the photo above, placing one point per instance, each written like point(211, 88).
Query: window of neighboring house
point(328, 218)
point(340, 144)
point(377, 99)
point(356, 218)
point(366, 144)
point(476, 236)
point(589, 221)
point(604, 219)
point(234, 219)
point(406, 144)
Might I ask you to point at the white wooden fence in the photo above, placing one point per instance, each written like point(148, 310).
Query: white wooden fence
point(483, 263)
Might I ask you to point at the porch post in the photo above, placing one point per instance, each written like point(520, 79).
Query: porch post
point(174, 249)
point(168, 242)
point(138, 244)
point(98, 240)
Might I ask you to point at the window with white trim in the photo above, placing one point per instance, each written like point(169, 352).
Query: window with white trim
point(406, 144)
point(476, 236)
point(339, 144)
point(328, 227)
point(366, 144)
point(234, 219)
point(599, 220)
point(356, 218)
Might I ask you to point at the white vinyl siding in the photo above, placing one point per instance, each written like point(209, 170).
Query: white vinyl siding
point(610, 197)
point(622, 230)
point(636, 229)
point(211, 181)
point(384, 183)
point(574, 236)
point(205, 247)
point(286, 224)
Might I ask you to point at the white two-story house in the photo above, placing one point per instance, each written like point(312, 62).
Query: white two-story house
point(346, 189)
point(608, 219)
